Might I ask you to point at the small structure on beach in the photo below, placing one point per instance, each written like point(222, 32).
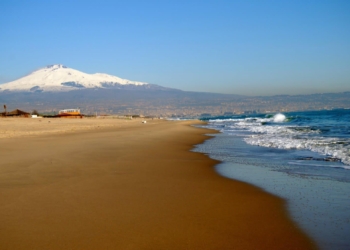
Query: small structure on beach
point(16, 113)
point(70, 113)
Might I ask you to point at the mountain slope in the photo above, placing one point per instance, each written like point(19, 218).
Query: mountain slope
point(58, 77)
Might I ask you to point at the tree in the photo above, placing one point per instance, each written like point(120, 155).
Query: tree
point(5, 109)
point(35, 112)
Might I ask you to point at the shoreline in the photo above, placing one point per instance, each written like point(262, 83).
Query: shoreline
point(132, 186)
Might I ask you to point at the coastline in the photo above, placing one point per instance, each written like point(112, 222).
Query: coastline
point(132, 186)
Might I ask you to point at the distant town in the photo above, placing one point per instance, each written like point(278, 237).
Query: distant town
point(169, 103)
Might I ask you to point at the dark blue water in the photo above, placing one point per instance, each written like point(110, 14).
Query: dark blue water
point(303, 157)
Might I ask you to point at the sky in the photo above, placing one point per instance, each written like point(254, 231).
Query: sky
point(234, 47)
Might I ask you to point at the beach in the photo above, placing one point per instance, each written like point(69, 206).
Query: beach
point(124, 184)
point(302, 157)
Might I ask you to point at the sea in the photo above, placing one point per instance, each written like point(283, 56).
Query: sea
point(302, 157)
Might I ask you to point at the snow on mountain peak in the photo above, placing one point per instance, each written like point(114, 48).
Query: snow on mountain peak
point(58, 77)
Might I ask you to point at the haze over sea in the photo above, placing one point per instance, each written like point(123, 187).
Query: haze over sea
point(303, 157)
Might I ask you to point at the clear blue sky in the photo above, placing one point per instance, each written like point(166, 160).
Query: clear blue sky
point(239, 47)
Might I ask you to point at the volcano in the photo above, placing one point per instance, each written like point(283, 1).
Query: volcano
point(59, 78)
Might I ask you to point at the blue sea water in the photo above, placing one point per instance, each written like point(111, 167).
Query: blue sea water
point(303, 157)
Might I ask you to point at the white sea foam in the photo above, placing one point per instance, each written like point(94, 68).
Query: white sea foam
point(327, 147)
point(279, 118)
point(274, 132)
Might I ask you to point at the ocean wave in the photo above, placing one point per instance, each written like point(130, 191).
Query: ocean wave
point(280, 131)
point(328, 147)
point(278, 118)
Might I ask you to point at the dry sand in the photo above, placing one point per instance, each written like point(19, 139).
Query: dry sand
point(19, 127)
point(128, 186)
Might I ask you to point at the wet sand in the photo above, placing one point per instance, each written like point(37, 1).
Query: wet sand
point(129, 185)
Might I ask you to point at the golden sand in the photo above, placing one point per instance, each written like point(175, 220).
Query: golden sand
point(19, 127)
point(128, 185)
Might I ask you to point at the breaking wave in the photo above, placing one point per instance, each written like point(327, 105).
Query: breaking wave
point(283, 132)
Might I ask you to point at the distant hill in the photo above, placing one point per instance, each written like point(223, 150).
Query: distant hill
point(167, 103)
point(58, 87)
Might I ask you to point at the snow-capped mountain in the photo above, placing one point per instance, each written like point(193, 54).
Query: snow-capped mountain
point(57, 78)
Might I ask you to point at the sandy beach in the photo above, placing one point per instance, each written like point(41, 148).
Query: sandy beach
point(122, 184)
